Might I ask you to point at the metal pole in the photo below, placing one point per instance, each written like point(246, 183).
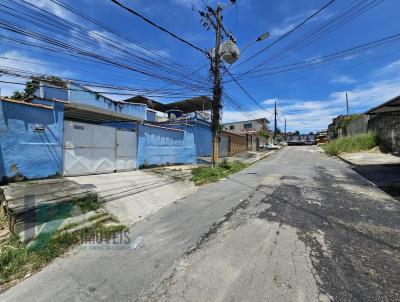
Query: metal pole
point(217, 89)
point(347, 104)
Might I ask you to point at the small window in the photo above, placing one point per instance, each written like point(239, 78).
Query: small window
point(231, 127)
point(248, 126)
point(97, 97)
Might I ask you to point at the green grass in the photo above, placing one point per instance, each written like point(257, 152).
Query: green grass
point(203, 175)
point(87, 204)
point(350, 144)
point(99, 215)
point(18, 259)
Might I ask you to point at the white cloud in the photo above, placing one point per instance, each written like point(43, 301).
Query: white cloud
point(290, 22)
point(343, 79)
point(188, 3)
point(51, 7)
point(270, 101)
point(22, 61)
point(235, 116)
point(99, 37)
point(389, 69)
point(315, 114)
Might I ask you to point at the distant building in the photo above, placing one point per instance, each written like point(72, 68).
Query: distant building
point(301, 139)
point(250, 126)
point(250, 130)
point(321, 137)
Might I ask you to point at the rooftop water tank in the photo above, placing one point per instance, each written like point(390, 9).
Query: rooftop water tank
point(174, 114)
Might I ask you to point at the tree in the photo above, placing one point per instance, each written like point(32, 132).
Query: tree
point(263, 133)
point(17, 95)
point(32, 85)
point(297, 132)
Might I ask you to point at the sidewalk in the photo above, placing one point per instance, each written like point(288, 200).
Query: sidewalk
point(370, 158)
point(248, 157)
point(132, 196)
point(380, 168)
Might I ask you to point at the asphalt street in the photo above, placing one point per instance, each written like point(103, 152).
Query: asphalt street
point(296, 226)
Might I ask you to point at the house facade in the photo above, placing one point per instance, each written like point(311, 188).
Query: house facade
point(250, 126)
point(250, 130)
point(71, 130)
point(301, 139)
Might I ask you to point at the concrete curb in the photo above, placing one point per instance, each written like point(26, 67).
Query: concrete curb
point(348, 161)
point(264, 156)
point(356, 166)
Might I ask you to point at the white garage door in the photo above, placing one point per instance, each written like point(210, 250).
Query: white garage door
point(93, 149)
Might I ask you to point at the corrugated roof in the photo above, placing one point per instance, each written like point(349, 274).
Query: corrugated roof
point(389, 107)
point(187, 106)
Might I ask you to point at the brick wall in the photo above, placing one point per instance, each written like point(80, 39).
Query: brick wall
point(237, 143)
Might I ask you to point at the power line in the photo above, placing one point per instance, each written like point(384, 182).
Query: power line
point(159, 27)
point(336, 55)
point(95, 91)
point(287, 33)
point(112, 31)
point(350, 12)
point(244, 90)
point(93, 56)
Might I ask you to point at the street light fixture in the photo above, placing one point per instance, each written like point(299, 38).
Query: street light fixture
point(260, 38)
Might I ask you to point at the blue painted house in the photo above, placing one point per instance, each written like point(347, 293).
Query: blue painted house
point(71, 130)
point(31, 140)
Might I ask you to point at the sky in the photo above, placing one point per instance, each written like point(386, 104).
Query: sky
point(308, 98)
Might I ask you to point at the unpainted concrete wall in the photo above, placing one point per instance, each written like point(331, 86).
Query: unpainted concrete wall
point(223, 146)
point(358, 126)
point(31, 141)
point(387, 128)
point(160, 146)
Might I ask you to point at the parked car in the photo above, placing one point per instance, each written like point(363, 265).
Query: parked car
point(272, 147)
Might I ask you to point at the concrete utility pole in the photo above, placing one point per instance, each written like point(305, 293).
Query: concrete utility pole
point(275, 126)
point(347, 104)
point(217, 89)
point(212, 18)
point(285, 131)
